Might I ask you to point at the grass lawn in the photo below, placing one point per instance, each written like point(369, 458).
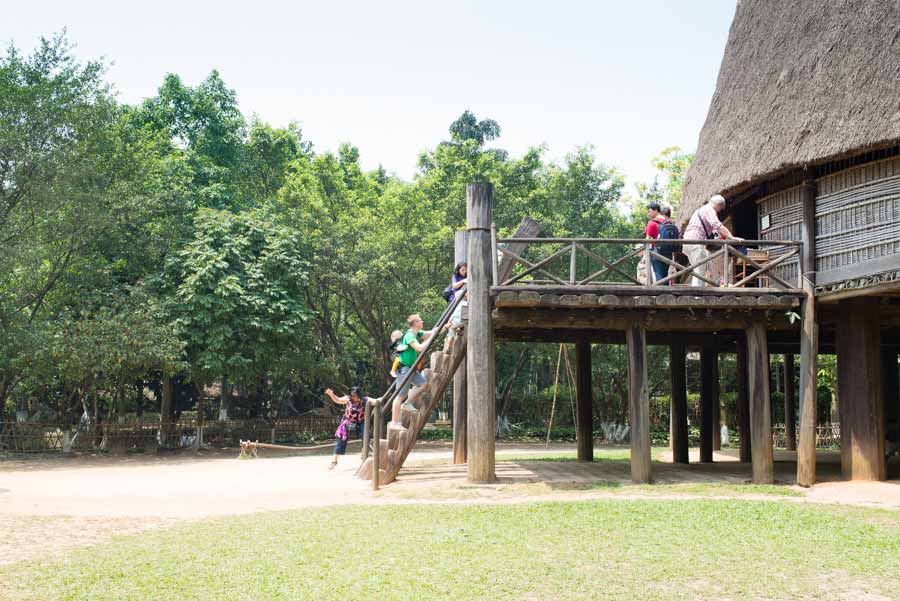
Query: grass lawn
point(604, 549)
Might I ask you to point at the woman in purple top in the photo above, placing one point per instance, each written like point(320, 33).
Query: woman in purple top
point(351, 422)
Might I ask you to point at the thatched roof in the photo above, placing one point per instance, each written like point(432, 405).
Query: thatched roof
point(802, 82)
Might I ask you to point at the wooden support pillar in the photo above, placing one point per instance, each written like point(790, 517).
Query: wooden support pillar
point(481, 376)
point(716, 405)
point(460, 253)
point(166, 410)
point(639, 403)
point(762, 452)
point(743, 400)
point(889, 387)
point(859, 390)
point(809, 341)
point(583, 400)
point(790, 400)
point(679, 425)
point(707, 399)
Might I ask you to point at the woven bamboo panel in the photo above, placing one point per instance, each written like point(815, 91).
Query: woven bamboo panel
point(784, 213)
point(858, 216)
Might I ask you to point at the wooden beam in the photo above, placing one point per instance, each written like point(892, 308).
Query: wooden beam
point(460, 413)
point(707, 399)
point(716, 405)
point(584, 402)
point(528, 228)
point(639, 404)
point(635, 290)
point(859, 391)
point(480, 366)
point(762, 453)
point(679, 403)
point(743, 401)
point(790, 402)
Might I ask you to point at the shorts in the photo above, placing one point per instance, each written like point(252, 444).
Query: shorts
point(417, 379)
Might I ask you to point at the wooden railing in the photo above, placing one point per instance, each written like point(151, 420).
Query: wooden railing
point(601, 261)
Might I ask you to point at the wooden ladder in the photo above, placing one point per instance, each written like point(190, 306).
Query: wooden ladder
point(401, 439)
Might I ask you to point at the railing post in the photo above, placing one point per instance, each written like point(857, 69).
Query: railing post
point(367, 429)
point(376, 450)
point(495, 258)
point(572, 264)
point(650, 278)
point(727, 273)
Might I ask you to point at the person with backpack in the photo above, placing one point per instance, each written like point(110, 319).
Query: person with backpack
point(651, 232)
point(667, 231)
point(457, 284)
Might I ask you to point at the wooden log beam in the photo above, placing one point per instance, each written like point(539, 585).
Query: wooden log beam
point(639, 404)
point(583, 401)
point(809, 339)
point(859, 391)
point(762, 452)
point(528, 228)
point(790, 402)
point(743, 400)
point(461, 254)
point(679, 412)
point(481, 417)
point(716, 405)
point(707, 400)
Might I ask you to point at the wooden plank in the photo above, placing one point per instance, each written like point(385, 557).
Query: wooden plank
point(743, 400)
point(639, 404)
point(583, 401)
point(859, 391)
point(528, 228)
point(809, 347)
point(790, 401)
point(762, 452)
point(481, 376)
point(679, 403)
point(707, 401)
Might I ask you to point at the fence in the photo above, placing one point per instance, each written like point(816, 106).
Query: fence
point(37, 437)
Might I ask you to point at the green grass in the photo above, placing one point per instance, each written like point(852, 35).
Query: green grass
point(606, 549)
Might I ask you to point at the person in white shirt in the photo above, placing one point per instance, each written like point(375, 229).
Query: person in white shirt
point(705, 225)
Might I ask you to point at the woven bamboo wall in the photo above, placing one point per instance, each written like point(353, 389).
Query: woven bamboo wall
point(858, 221)
point(782, 210)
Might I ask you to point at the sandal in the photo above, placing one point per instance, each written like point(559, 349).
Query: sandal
point(333, 463)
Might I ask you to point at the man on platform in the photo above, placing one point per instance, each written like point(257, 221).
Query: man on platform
point(705, 225)
point(651, 232)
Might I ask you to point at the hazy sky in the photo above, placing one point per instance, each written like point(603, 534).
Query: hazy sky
point(629, 78)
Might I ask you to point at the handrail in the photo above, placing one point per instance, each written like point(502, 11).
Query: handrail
point(723, 251)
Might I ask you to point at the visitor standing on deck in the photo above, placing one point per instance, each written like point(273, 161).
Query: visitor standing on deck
point(651, 232)
point(705, 225)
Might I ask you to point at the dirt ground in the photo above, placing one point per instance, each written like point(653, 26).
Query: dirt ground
point(48, 506)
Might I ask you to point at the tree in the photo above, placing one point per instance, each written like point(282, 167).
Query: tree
point(468, 128)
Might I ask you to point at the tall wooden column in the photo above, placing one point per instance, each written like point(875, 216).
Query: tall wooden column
point(859, 390)
point(809, 341)
point(583, 400)
point(639, 403)
point(481, 376)
point(790, 400)
point(707, 400)
point(679, 425)
point(460, 254)
point(889, 386)
point(762, 452)
point(716, 405)
point(743, 400)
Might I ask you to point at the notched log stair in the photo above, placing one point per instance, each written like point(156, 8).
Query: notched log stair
point(401, 439)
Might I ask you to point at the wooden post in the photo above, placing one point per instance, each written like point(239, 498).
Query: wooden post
point(716, 404)
point(743, 400)
point(166, 407)
point(809, 341)
point(707, 400)
point(790, 400)
point(639, 396)
point(859, 390)
point(679, 423)
point(889, 386)
point(460, 252)
point(762, 453)
point(481, 418)
point(376, 447)
point(584, 402)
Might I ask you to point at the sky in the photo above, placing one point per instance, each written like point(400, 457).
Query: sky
point(628, 78)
